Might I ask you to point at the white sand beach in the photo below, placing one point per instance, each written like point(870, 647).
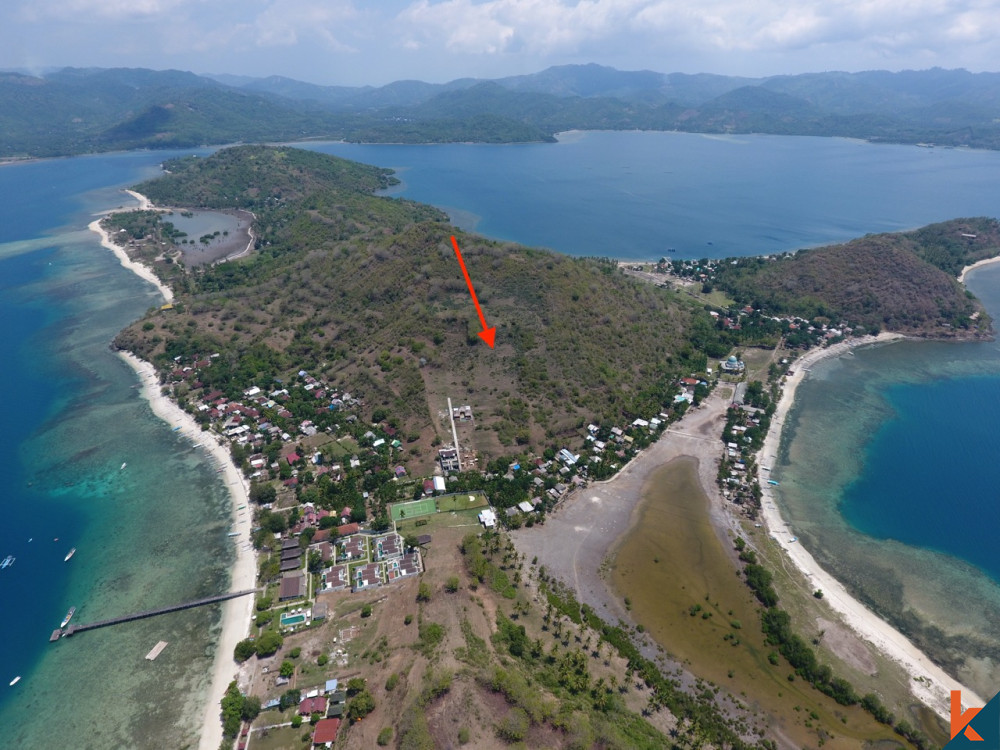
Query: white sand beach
point(930, 683)
point(977, 264)
point(139, 269)
point(236, 613)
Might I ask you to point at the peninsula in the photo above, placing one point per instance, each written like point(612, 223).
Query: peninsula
point(338, 367)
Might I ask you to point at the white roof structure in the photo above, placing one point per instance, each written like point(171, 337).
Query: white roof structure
point(488, 518)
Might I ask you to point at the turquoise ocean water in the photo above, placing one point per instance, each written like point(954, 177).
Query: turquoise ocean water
point(890, 476)
point(149, 535)
point(71, 414)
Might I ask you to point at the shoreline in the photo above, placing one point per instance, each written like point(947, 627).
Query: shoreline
point(978, 264)
point(236, 613)
point(930, 684)
point(139, 269)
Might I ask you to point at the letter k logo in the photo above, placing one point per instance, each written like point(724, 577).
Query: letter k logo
point(960, 721)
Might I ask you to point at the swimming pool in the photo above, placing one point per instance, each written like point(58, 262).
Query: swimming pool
point(287, 620)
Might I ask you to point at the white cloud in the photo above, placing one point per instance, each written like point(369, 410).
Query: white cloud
point(376, 41)
point(289, 22)
point(100, 10)
point(498, 26)
point(652, 28)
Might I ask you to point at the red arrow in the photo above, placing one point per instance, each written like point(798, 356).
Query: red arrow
point(487, 334)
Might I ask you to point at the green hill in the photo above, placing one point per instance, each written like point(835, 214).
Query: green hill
point(367, 291)
point(83, 110)
point(901, 282)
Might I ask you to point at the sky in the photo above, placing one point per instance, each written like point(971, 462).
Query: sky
point(357, 42)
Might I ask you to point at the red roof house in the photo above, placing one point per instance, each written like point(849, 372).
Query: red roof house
point(313, 705)
point(326, 731)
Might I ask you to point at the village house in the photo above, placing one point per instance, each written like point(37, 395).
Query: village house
point(335, 578)
point(353, 548)
point(448, 457)
point(293, 586)
point(367, 576)
point(403, 567)
point(325, 733)
point(388, 546)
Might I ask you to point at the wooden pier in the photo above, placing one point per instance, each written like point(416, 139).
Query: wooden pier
point(74, 629)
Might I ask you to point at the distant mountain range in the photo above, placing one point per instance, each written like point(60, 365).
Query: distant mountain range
point(82, 110)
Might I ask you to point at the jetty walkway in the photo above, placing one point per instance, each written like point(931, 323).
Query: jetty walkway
point(74, 629)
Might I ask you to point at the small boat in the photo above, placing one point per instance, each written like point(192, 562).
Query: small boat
point(15, 680)
point(794, 539)
point(7, 562)
point(68, 617)
point(69, 554)
point(233, 533)
point(176, 428)
point(124, 464)
point(241, 507)
point(771, 481)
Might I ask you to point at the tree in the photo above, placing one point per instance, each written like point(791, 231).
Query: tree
point(244, 650)
point(296, 721)
point(251, 708)
point(262, 492)
point(355, 685)
point(305, 538)
point(451, 585)
point(269, 643)
point(289, 698)
point(423, 592)
point(315, 561)
point(360, 706)
point(232, 709)
point(287, 669)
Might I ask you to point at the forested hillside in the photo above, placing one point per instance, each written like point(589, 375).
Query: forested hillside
point(367, 291)
point(901, 282)
point(83, 110)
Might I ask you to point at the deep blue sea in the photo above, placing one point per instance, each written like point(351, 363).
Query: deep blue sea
point(878, 435)
point(634, 195)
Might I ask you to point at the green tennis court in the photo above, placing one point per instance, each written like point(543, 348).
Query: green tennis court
point(425, 506)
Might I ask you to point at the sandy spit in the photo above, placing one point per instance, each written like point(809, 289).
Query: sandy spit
point(139, 269)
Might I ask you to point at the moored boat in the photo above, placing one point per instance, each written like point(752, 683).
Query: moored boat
point(69, 554)
point(15, 680)
point(7, 562)
point(68, 617)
